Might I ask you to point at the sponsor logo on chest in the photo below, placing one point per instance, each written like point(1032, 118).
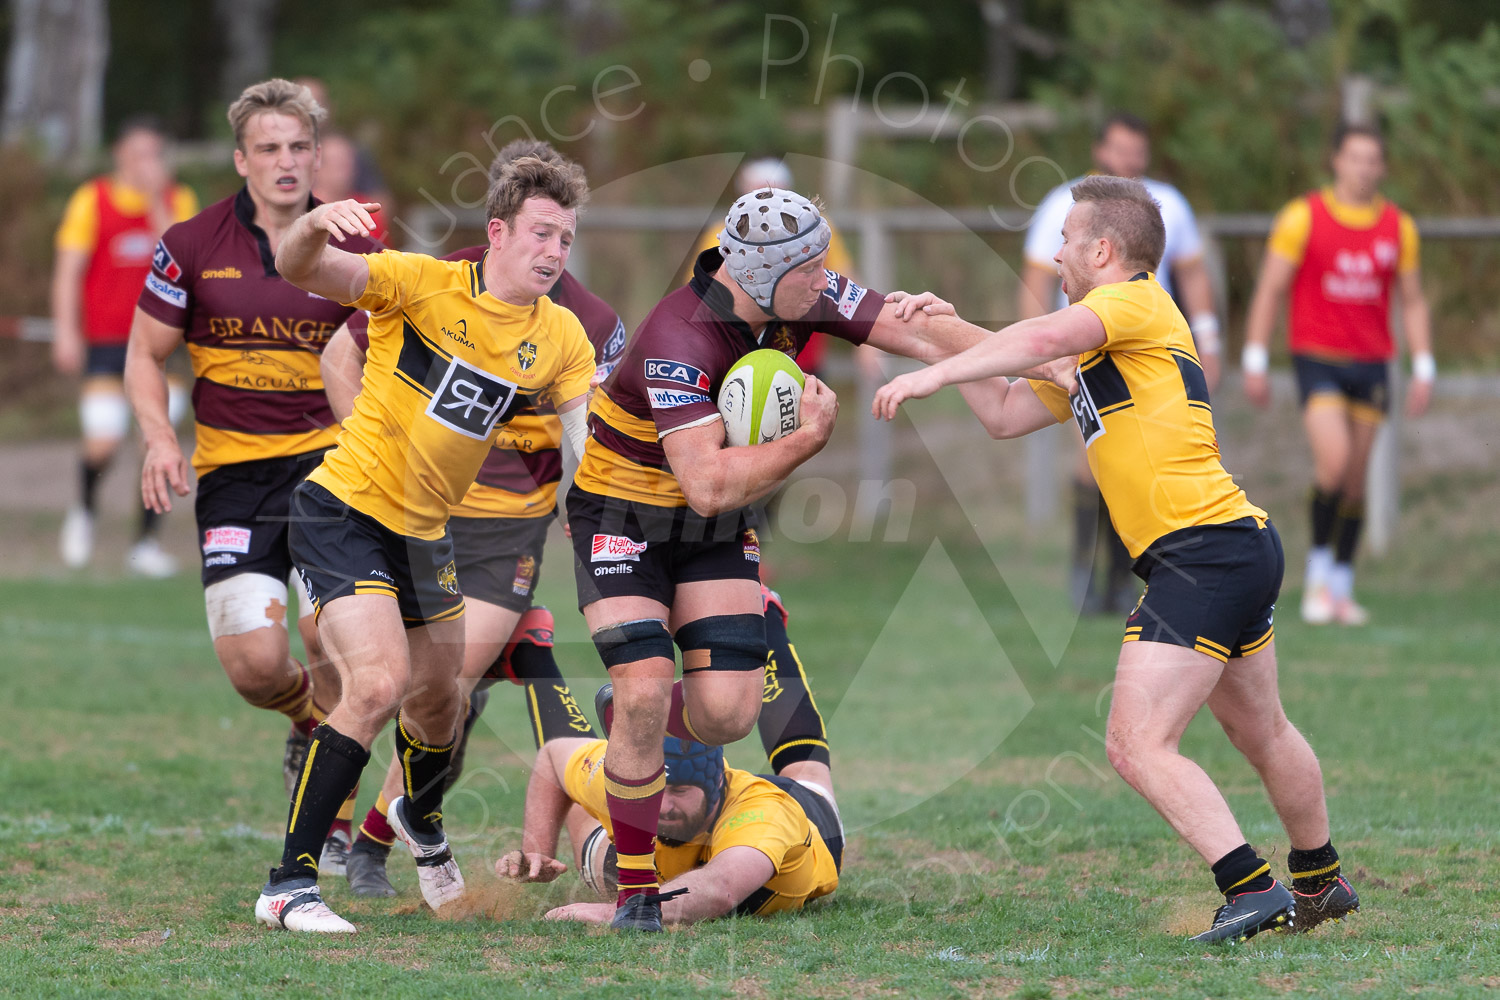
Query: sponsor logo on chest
point(471, 401)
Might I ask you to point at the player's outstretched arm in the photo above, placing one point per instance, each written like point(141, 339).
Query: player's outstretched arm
point(1019, 348)
point(546, 808)
point(1276, 274)
point(343, 367)
point(1006, 409)
point(716, 478)
point(306, 259)
point(715, 889)
point(164, 470)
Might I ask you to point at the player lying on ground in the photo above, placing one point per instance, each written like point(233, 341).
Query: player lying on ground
point(728, 841)
point(1211, 560)
point(499, 530)
point(456, 350)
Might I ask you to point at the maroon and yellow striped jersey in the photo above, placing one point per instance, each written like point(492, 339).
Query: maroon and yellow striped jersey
point(254, 339)
point(670, 375)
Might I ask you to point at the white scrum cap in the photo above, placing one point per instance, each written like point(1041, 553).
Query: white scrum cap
point(767, 233)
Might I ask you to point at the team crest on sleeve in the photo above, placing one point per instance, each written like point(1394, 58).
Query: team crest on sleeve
point(161, 259)
point(470, 401)
point(660, 370)
point(526, 355)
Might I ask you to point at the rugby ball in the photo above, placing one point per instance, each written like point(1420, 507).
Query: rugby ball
point(761, 398)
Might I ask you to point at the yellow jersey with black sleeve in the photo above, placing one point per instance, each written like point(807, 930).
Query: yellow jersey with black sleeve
point(755, 813)
point(1142, 405)
point(448, 365)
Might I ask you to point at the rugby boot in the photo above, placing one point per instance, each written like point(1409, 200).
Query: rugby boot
point(1248, 913)
point(366, 870)
point(297, 905)
point(642, 912)
point(1334, 901)
point(334, 859)
point(437, 872)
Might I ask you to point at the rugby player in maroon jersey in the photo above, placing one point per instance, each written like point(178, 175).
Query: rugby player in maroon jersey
point(262, 419)
point(665, 548)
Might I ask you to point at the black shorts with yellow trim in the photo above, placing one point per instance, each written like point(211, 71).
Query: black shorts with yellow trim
point(499, 559)
point(1362, 387)
point(623, 548)
point(244, 511)
point(1211, 588)
point(341, 551)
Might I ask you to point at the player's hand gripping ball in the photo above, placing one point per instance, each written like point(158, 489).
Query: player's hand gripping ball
point(761, 398)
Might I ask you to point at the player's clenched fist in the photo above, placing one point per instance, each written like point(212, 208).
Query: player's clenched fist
point(347, 217)
point(912, 385)
point(819, 408)
point(522, 867)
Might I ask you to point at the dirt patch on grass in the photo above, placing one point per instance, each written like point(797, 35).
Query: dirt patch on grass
point(142, 942)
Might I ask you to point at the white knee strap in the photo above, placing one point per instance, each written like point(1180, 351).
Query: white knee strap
point(244, 603)
point(104, 414)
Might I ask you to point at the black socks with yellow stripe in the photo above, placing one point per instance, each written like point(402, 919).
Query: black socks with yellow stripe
point(1312, 870)
point(332, 769)
point(791, 729)
point(423, 768)
point(1242, 870)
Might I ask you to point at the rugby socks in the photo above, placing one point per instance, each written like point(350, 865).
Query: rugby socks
point(791, 729)
point(1325, 511)
point(1312, 870)
point(149, 520)
point(89, 476)
point(423, 769)
point(344, 821)
point(330, 773)
point(634, 806)
point(376, 828)
point(677, 716)
point(296, 701)
point(1242, 870)
point(553, 710)
point(1351, 520)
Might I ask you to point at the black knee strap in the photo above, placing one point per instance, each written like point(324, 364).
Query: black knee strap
point(633, 641)
point(724, 642)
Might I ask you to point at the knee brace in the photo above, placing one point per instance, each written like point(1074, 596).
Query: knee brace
point(724, 642)
point(534, 629)
point(244, 603)
point(632, 641)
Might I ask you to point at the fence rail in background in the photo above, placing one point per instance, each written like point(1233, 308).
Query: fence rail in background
point(427, 227)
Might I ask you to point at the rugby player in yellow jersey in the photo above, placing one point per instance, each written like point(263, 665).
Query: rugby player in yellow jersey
point(456, 349)
point(1211, 560)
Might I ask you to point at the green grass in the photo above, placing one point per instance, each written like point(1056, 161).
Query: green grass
point(992, 852)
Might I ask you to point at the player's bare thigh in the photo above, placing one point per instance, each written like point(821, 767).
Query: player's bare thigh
point(1329, 434)
point(364, 637)
point(724, 701)
point(487, 629)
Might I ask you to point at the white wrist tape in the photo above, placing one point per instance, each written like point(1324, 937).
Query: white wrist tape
point(1205, 327)
point(1423, 367)
point(1255, 360)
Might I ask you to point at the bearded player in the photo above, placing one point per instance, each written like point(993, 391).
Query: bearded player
point(1212, 561)
point(728, 841)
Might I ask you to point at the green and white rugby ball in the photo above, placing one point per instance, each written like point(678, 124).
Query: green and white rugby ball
point(761, 398)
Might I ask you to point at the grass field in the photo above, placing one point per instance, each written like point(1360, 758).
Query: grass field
point(992, 853)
